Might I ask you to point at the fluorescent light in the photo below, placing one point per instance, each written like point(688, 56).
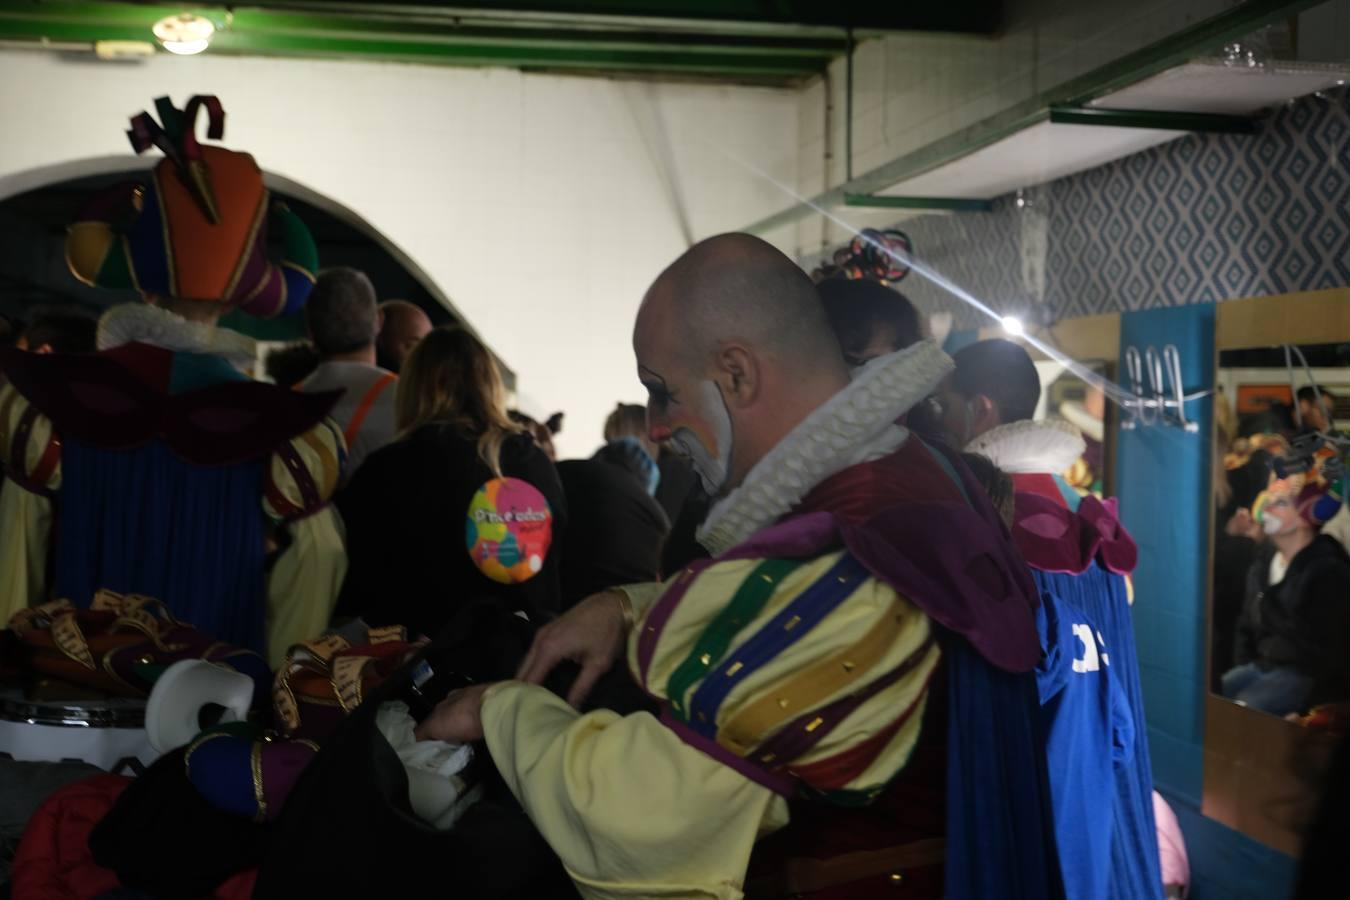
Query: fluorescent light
point(1012, 325)
point(184, 34)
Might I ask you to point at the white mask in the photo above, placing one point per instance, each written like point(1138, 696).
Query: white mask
point(713, 470)
point(1273, 526)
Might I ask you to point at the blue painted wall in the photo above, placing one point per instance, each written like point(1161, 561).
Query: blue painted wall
point(1164, 479)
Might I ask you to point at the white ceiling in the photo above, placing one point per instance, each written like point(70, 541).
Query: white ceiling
point(1048, 151)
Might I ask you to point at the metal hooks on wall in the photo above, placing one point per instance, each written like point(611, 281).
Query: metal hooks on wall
point(1158, 396)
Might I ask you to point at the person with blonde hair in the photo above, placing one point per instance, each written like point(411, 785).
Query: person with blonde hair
point(406, 508)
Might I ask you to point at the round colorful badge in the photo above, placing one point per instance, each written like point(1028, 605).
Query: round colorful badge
point(508, 530)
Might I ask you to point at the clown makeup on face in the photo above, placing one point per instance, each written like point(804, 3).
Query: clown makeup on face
point(1279, 516)
point(695, 422)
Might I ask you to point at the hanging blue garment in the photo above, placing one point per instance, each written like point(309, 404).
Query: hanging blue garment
point(1089, 733)
point(1135, 870)
point(144, 521)
point(1000, 830)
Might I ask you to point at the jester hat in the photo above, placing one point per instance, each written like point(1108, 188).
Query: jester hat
point(198, 229)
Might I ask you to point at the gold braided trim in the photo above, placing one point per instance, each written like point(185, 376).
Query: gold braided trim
point(249, 243)
point(813, 685)
point(70, 639)
point(255, 760)
point(25, 619)
point(347, 671)
point(387, 633)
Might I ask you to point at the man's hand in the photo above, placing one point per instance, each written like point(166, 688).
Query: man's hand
point(458, 719)
point(592, 633)
point(1243, 525)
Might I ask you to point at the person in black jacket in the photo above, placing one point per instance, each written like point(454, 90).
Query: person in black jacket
point(1293, 637)
point(406, 507)
point(615, 528)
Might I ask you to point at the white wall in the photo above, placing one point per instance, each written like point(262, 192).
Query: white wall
point(540, 205)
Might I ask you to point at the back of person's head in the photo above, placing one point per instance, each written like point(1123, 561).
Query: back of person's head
point(541, 432)
point(341, 315)
point(404, 324)
point(1002, 371)
point(627, 420)
point(450, 378)
point(59, 330)
point(1309, 394)
point(738, 330)
point(997, 483)
point(868, 318)
point(629, 454)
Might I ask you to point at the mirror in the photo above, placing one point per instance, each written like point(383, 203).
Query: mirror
point(1280, 626)
point(1263, 760)
point(1064, 395)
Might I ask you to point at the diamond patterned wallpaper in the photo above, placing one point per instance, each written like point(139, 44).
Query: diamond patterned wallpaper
point(1198, 220)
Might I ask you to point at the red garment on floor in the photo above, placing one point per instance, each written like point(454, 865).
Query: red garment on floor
point(54, 862)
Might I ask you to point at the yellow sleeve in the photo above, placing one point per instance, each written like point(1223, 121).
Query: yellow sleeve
point(630, 809)
point(643, 596)
point(303, 586)
point(33, 470)
point(25, 529)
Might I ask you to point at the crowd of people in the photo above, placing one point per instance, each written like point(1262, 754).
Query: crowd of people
point(824, 618)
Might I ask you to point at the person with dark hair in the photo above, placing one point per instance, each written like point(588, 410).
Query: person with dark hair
point(58, 330)
point(459, 464)
point(343, 321)
point(869, 318)
point(404, 324)
point(541, 432)
point(289, 365)
point(1316, 407)
point(995, 383)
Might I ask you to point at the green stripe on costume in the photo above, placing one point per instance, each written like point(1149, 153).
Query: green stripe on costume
point(747, 603)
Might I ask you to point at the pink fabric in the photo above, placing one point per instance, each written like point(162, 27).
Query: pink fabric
point(1176, 867)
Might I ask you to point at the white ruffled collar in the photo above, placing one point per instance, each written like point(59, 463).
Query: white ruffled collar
point(1025, 447)
point(856, 425)
point(141, 322)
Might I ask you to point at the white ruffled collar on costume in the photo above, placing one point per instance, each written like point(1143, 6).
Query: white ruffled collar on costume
point(140, 322)
point(856, 425)
point(1025, 447)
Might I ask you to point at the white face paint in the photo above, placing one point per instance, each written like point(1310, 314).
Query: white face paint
point(710, 452)
point(1273, 526)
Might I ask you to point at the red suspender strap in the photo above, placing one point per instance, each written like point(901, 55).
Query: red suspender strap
point(363, 408)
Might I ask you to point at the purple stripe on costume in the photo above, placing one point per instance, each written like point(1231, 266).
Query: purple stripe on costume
point(254, 271)
point(782, 785)
point(309, 491)
point(655, 621)
point(795, 741)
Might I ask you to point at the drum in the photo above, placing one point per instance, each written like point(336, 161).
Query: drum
point(108, 733)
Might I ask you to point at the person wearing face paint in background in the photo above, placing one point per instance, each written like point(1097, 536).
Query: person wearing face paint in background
point(1293, 637)
point(847, 685)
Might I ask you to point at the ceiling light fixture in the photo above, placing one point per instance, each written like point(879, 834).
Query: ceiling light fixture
point(184, 34)
point(1012, 325)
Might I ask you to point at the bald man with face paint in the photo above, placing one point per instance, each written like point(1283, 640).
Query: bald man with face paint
point(858, 580)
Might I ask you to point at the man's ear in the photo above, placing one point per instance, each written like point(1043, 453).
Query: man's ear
point(984, 414)
point(738, 374)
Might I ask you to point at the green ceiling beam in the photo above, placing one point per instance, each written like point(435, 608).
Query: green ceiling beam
point(1157, 119)
point(1203, 37)
point(263, 32)
point(881, 201)
point(969, 16)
